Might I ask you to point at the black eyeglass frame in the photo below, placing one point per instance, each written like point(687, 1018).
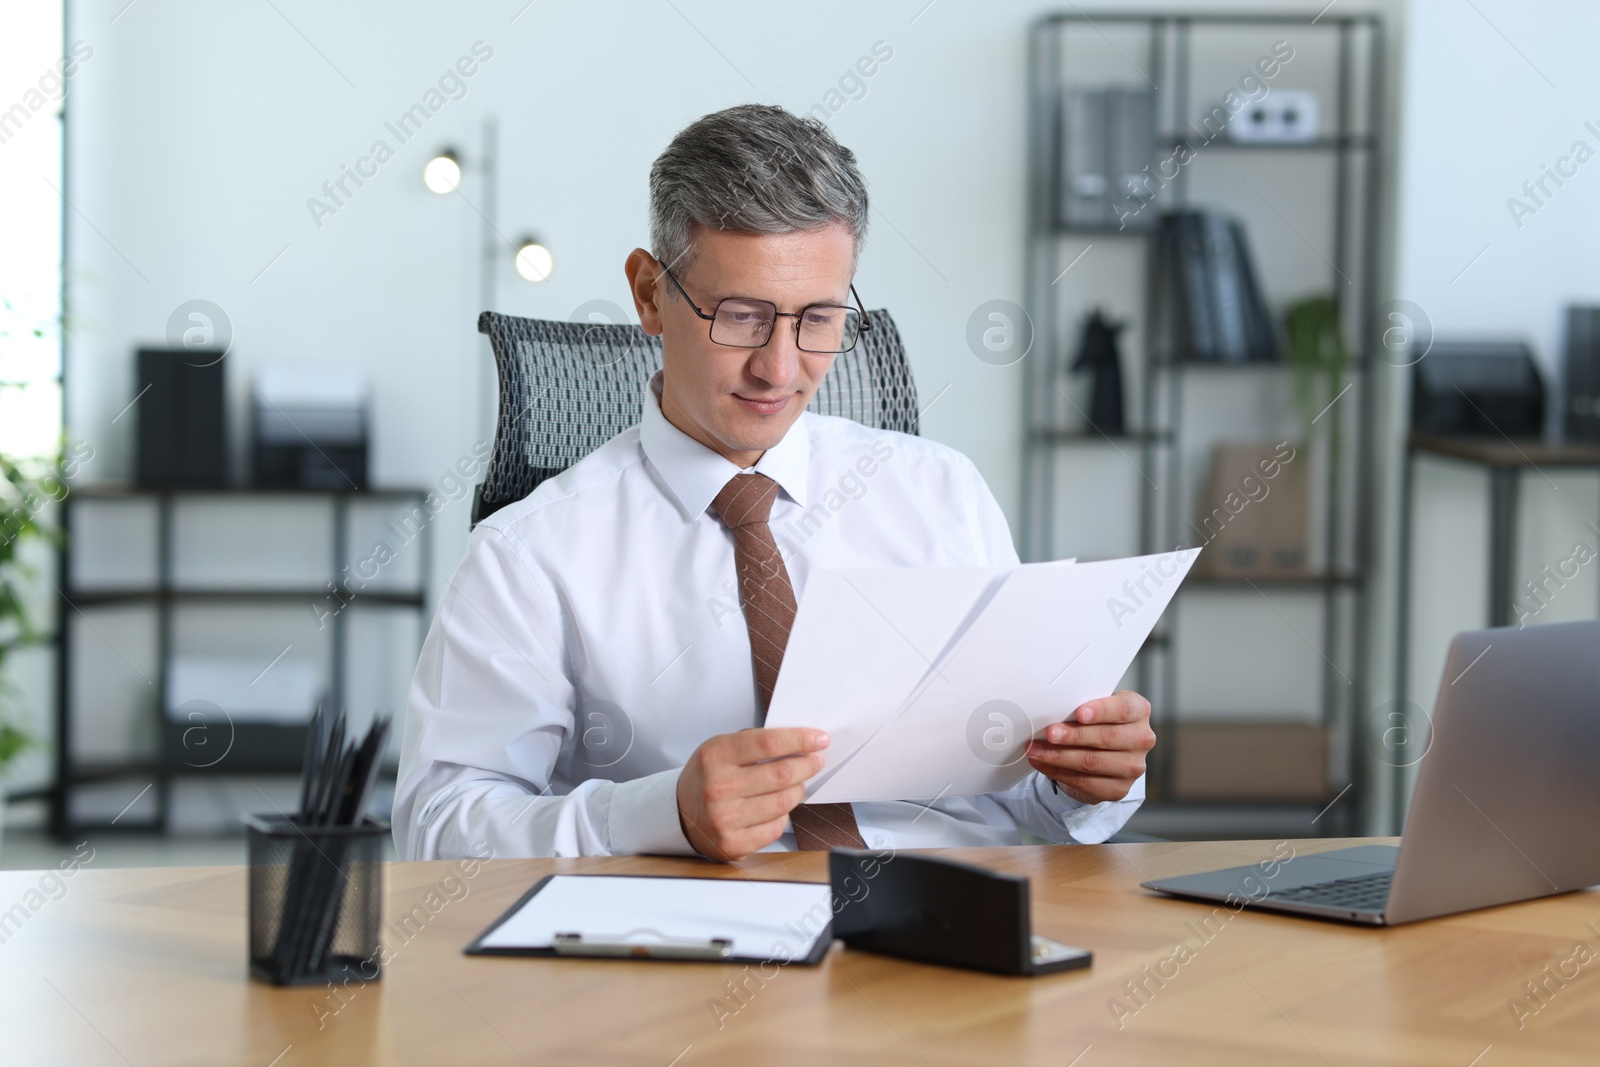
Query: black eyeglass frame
point(859, 309)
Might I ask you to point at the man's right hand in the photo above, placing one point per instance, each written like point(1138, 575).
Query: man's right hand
point(737, 790)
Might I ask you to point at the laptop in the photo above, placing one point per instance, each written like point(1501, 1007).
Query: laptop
point(1507, 800)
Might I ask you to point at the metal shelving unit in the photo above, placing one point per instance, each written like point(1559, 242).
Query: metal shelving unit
point(257, 748)
point(1157, 431)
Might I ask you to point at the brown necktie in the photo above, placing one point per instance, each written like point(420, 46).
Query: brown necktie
point(769, 608)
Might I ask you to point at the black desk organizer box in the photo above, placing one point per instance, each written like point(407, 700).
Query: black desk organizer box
point(316, 900)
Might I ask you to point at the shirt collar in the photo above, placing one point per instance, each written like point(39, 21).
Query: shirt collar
point(695, 474)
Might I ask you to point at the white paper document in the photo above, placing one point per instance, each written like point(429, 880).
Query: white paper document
point(755, 915)
point(931, 681)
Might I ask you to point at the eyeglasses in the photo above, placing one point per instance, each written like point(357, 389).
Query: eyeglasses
point(742, 322)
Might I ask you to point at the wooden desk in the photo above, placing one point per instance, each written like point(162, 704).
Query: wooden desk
point(147, 967)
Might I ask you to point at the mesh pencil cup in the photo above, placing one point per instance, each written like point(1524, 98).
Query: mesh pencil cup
point(316, 899)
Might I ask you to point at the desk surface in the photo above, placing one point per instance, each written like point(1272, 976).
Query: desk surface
point(147, 966)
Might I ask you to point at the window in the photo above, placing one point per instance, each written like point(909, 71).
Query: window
point(32, 89)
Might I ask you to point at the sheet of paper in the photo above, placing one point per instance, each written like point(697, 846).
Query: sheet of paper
point(763, 919)
point(863, 639)
point(1052, 636)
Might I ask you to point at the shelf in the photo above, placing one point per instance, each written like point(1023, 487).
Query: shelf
point(125, 491)
point(1182, 820)
point(214, 596)
point(1172, 387)
point(245, 747)
point(1302, 581)
point(1250, 803)
point(1265, 18)
point(240, 748)
point(90, 773)
point(1165, 363)
point(151, 769)
point(1355, 142)
point(81, 828)
point(1064, 229)
point(1063, 436)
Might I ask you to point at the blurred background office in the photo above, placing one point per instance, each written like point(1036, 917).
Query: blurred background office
point(1311, 285)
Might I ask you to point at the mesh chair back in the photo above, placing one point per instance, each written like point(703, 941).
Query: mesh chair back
point(568, 387)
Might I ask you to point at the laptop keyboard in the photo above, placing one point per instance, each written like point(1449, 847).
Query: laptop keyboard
point(1366, 892)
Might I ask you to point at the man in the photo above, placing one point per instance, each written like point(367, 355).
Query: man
point(597, 676)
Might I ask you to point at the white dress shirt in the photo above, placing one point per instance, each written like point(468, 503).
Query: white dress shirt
point(593, 638)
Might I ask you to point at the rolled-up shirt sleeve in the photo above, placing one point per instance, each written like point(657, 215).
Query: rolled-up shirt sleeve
point(1061, 820)
point(489, 714)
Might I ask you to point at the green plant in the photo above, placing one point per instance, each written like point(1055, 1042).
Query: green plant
point(1319, 359)
point(25, 489)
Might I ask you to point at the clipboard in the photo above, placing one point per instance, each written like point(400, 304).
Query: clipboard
point(648, 917)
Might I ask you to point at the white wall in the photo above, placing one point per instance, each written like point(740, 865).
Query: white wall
point(198, 131)
point(1492, 95)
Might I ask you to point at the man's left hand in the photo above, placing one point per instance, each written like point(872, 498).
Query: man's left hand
point(1100, 756)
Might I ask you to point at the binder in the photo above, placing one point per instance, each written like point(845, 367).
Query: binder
point(1211, 306)
point(1130, 142)
point(628, 916)
point(1105, 139)
point(1191, 324)
point(1085, 168)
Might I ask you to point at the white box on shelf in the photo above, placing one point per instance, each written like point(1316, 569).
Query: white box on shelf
point(1285, 116)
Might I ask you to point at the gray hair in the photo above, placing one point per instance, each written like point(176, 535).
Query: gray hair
point(754, 168)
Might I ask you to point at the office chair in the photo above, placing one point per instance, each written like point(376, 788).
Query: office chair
point(568, 387)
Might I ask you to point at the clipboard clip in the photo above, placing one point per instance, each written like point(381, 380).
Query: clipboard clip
point(661, 948)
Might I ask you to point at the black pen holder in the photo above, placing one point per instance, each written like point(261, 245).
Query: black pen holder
point(316, 900)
